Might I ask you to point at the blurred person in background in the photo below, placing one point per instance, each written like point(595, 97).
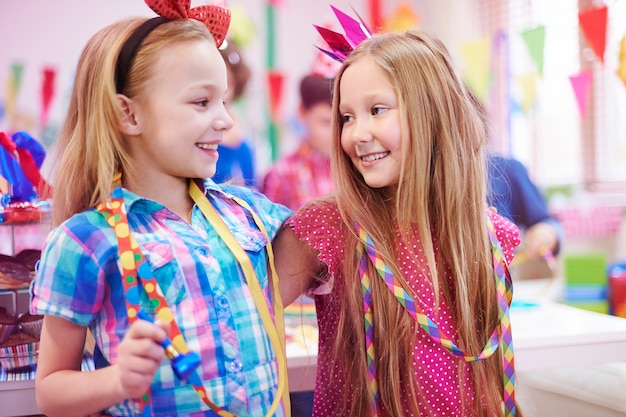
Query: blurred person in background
point(236, 164)
point(304, 174)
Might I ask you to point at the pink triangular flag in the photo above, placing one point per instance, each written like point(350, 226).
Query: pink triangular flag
point(581, 83)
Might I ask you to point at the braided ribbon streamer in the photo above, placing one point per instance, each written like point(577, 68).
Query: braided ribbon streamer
point(134, 266)
point(215, 18)
point(501, 335)
point(366, 288)
point(505, 295)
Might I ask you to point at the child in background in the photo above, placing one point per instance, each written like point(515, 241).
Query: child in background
point(516, 197)
point(236, 163)
point(410, 213)
point(305, 173)
point(145, 118)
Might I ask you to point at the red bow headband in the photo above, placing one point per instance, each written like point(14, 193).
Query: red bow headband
point(215, 18)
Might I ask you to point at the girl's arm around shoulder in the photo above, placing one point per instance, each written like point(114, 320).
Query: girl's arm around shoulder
point(297, 264)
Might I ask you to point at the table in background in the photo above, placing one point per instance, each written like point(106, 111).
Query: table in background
point(546, 334)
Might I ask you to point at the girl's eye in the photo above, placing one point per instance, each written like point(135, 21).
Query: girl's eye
point(378, 110)
point(202, 103)
point(346, 118)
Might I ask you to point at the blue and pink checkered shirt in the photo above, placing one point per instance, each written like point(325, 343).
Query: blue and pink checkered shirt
point(78, 278)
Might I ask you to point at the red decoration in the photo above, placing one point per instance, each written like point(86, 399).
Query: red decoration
point(593, 24)
point(215, 18)
point(28, 165)
point(47, 92)
point(376, 18)
point(275, 80)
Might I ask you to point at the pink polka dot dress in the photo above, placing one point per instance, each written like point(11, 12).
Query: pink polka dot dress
point(435, 368)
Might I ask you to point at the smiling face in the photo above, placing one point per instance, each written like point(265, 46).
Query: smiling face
point(371, 132)
point(181, 116)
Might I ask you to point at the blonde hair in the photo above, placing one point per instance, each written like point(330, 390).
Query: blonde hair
point(91, 146)
point(442, 190)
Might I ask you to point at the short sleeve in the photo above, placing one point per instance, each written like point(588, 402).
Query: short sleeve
point(71, 275)
point(272, 214)
point(507, 234)
point(320, 226)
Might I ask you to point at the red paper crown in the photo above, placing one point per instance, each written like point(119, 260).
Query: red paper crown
point(356, 31)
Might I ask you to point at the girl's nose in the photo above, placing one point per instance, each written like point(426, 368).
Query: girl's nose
point(224, 121)
point(361, 132)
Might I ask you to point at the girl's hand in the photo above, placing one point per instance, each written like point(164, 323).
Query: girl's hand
point(139, 357)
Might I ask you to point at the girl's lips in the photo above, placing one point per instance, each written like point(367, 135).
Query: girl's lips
point(373, 157)
point(207, 146)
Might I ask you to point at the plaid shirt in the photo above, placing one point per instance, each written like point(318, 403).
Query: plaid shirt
point(298, 178)
point(79, 279)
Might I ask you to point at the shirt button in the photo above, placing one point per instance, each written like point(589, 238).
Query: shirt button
point(234, 366)
point(222, 302)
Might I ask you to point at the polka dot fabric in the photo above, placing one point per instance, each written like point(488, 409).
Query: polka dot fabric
point(435, 368)
point(215, 18)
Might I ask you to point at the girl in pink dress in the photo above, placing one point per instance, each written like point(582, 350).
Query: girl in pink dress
point(409, 215)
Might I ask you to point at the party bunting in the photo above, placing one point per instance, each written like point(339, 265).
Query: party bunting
point(273, 79)
point(17, 69)
point(581, 83)
point(477, 58)
point(593, 24)
point(621, 68)
point(47, 93)
point(13, 87)
point(535, 40)
point(376, 17)
point(528, 85)
point(402, 19)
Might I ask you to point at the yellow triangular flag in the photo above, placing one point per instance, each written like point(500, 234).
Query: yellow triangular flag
point(477, 58)
point(528, 84)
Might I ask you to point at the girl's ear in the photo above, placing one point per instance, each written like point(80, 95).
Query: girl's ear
point(127, 116)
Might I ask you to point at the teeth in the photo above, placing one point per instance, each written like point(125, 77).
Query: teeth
point(208, 146)
point(374, 157)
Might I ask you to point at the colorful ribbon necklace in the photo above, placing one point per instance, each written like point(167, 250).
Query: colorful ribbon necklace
point(502, 336)
point(134, 268)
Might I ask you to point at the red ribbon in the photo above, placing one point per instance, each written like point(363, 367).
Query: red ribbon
point(28, 165)
point(215, 18)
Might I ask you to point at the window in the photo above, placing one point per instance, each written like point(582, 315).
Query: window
point(541, 124)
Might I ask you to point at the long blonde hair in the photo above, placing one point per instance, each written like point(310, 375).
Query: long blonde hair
point(91, 146)
point(442, 191)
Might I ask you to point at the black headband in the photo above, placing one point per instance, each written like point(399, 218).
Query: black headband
point(130, 48)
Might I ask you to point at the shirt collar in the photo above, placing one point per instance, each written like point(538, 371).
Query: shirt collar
point(130, 198)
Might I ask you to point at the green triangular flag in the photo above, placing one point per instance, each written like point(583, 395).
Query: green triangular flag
point(535, 40)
